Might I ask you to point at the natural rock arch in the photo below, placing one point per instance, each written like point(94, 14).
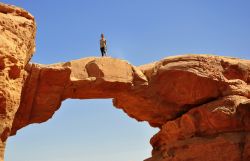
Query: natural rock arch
point(200, 102)
point(186, 96)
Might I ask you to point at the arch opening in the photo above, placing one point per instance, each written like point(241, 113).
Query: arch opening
point(90, 130)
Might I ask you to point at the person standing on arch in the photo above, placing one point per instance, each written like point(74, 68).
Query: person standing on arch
point(103, 45)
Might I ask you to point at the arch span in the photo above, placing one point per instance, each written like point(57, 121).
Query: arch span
point(200, 102)
point(173, 94)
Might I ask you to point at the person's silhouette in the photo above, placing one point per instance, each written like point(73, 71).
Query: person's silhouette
point(103, 45)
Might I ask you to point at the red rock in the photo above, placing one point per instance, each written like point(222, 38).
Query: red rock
point(188, 97)
point(200, 103)
point(17, 45)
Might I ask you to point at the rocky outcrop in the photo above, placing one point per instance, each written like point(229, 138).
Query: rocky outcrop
point(17, 44)
point(212, 94)
point(218, 130)
point(200, 103)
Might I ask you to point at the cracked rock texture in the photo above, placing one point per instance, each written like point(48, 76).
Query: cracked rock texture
point(200, 103)
point(17, 44)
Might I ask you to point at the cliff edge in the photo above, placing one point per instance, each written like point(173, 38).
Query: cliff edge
point(17, 45)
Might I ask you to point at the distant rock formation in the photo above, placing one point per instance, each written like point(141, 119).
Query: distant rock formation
point(201, 103)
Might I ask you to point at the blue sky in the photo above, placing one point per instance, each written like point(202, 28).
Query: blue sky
point(140, 31)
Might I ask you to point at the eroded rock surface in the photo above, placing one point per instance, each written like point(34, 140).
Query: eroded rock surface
point(17, 44)
point(200, 103)
point(79, 79)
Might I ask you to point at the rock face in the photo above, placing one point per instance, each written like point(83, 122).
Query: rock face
point(17, 32)
point(200, 103)
point(212, 97)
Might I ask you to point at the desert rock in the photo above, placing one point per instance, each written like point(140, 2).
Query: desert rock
point(200, 103)
point(17, 45)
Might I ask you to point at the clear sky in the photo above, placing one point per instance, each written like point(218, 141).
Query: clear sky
point(140, 31)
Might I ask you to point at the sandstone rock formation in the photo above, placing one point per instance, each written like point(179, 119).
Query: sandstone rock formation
point(201, 103)
point(17, 44)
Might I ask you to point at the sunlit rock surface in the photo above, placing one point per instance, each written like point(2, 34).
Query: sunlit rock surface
point(200, 103)
point(17, 44)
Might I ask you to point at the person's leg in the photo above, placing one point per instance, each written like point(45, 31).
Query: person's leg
point(105, 52)
point(102, 51)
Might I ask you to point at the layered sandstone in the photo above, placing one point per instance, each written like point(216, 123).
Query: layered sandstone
point(200, 103)
point(17, 44)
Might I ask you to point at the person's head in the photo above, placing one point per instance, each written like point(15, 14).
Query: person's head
point(102, 35)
